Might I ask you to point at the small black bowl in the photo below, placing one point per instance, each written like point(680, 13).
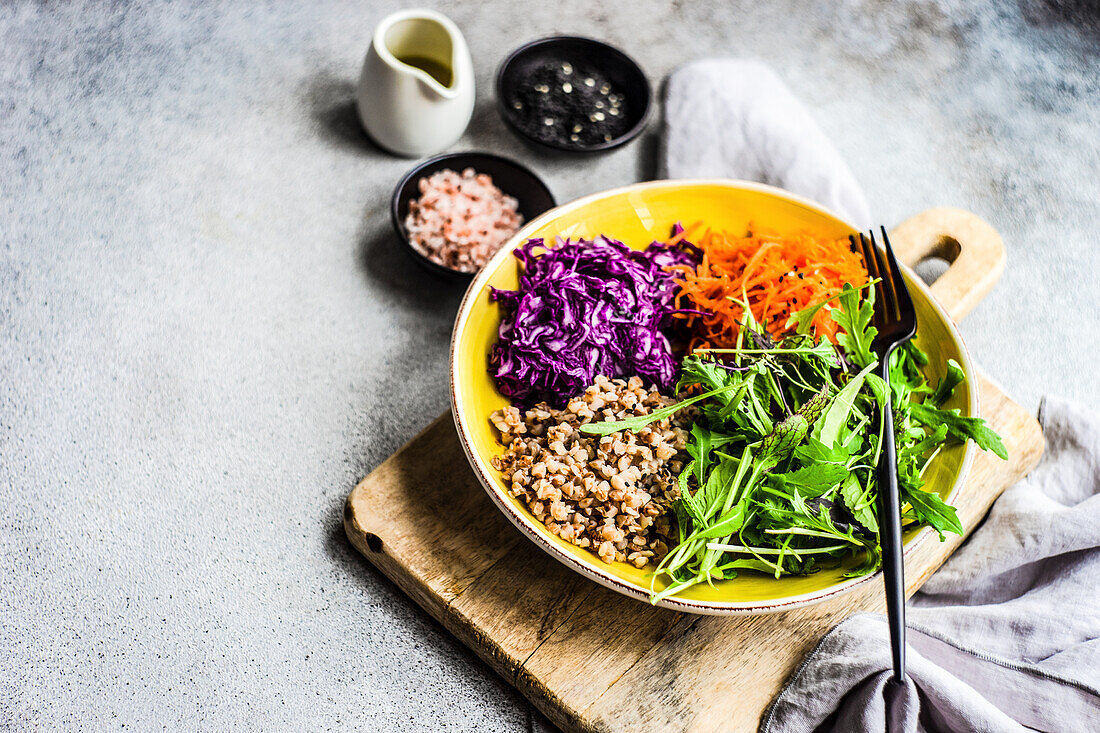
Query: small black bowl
point(620, 70)
point(509, 176)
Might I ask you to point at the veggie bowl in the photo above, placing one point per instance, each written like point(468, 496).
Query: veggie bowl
point(637, 215)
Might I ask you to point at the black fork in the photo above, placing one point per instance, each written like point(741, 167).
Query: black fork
point(896, 321)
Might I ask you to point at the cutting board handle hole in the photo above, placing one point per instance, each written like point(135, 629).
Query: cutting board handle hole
point(374, 542)
point(930, 267)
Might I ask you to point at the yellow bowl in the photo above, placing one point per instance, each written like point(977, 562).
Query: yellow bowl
point(637, 215)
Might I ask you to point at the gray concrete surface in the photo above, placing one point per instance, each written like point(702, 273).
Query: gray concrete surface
point(207, 335)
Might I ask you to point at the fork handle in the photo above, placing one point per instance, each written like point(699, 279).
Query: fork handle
point(889, 521)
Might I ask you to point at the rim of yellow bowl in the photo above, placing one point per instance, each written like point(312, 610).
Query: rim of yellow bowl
point(537, 531)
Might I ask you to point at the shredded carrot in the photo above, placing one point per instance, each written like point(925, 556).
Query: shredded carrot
point(779, 274)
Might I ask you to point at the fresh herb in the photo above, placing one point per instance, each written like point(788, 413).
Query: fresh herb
point(960, 427)
point(947, 385)
point(784, 453)
point(855, 319)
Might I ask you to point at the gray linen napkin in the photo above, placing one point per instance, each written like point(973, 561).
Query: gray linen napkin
point(1006, 636)
point(734, 118)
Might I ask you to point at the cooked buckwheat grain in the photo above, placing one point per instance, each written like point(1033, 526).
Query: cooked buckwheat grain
point(610, 494)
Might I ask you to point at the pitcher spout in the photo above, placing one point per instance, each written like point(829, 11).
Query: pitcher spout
point(427, 45)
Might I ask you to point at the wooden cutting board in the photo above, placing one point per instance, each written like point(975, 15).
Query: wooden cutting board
point(593, 660)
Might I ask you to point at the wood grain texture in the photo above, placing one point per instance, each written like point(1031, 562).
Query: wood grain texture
point(589, 658)
point(593, 660)
point(973, 247)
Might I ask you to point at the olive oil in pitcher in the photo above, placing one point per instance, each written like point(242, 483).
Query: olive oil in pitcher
point(437, 70)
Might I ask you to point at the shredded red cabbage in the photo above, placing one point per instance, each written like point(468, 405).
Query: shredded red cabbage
point(585, 308)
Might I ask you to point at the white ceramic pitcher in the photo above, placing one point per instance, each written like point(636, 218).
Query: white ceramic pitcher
point(416, 92)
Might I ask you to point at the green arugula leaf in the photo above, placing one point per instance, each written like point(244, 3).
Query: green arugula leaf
point(861, 509)
point(812, 480)
point(699, 449)
point(683, 520)
point(931, 509)
point(729, 569)
point(692, 504)
point(905, 375)
point(947, 385)
point(828, 429)
point(732, 407)
point(961, 427)
point(825, 352)
point(726, 525)
point(878, 390)
point(914, 353)
point(757, 413)
point(804, 317)
point(814, 451)
point(719, 483)
point(872, 560)
point(924, 445)
point(705, 372)
point(855, 320)
point(640, 421)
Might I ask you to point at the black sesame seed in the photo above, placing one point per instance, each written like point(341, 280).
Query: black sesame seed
point(568, 104)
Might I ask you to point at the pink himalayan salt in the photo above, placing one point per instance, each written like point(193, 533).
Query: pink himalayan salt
point(460, 221)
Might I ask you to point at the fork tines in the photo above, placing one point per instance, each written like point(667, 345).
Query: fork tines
point(894, 307)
